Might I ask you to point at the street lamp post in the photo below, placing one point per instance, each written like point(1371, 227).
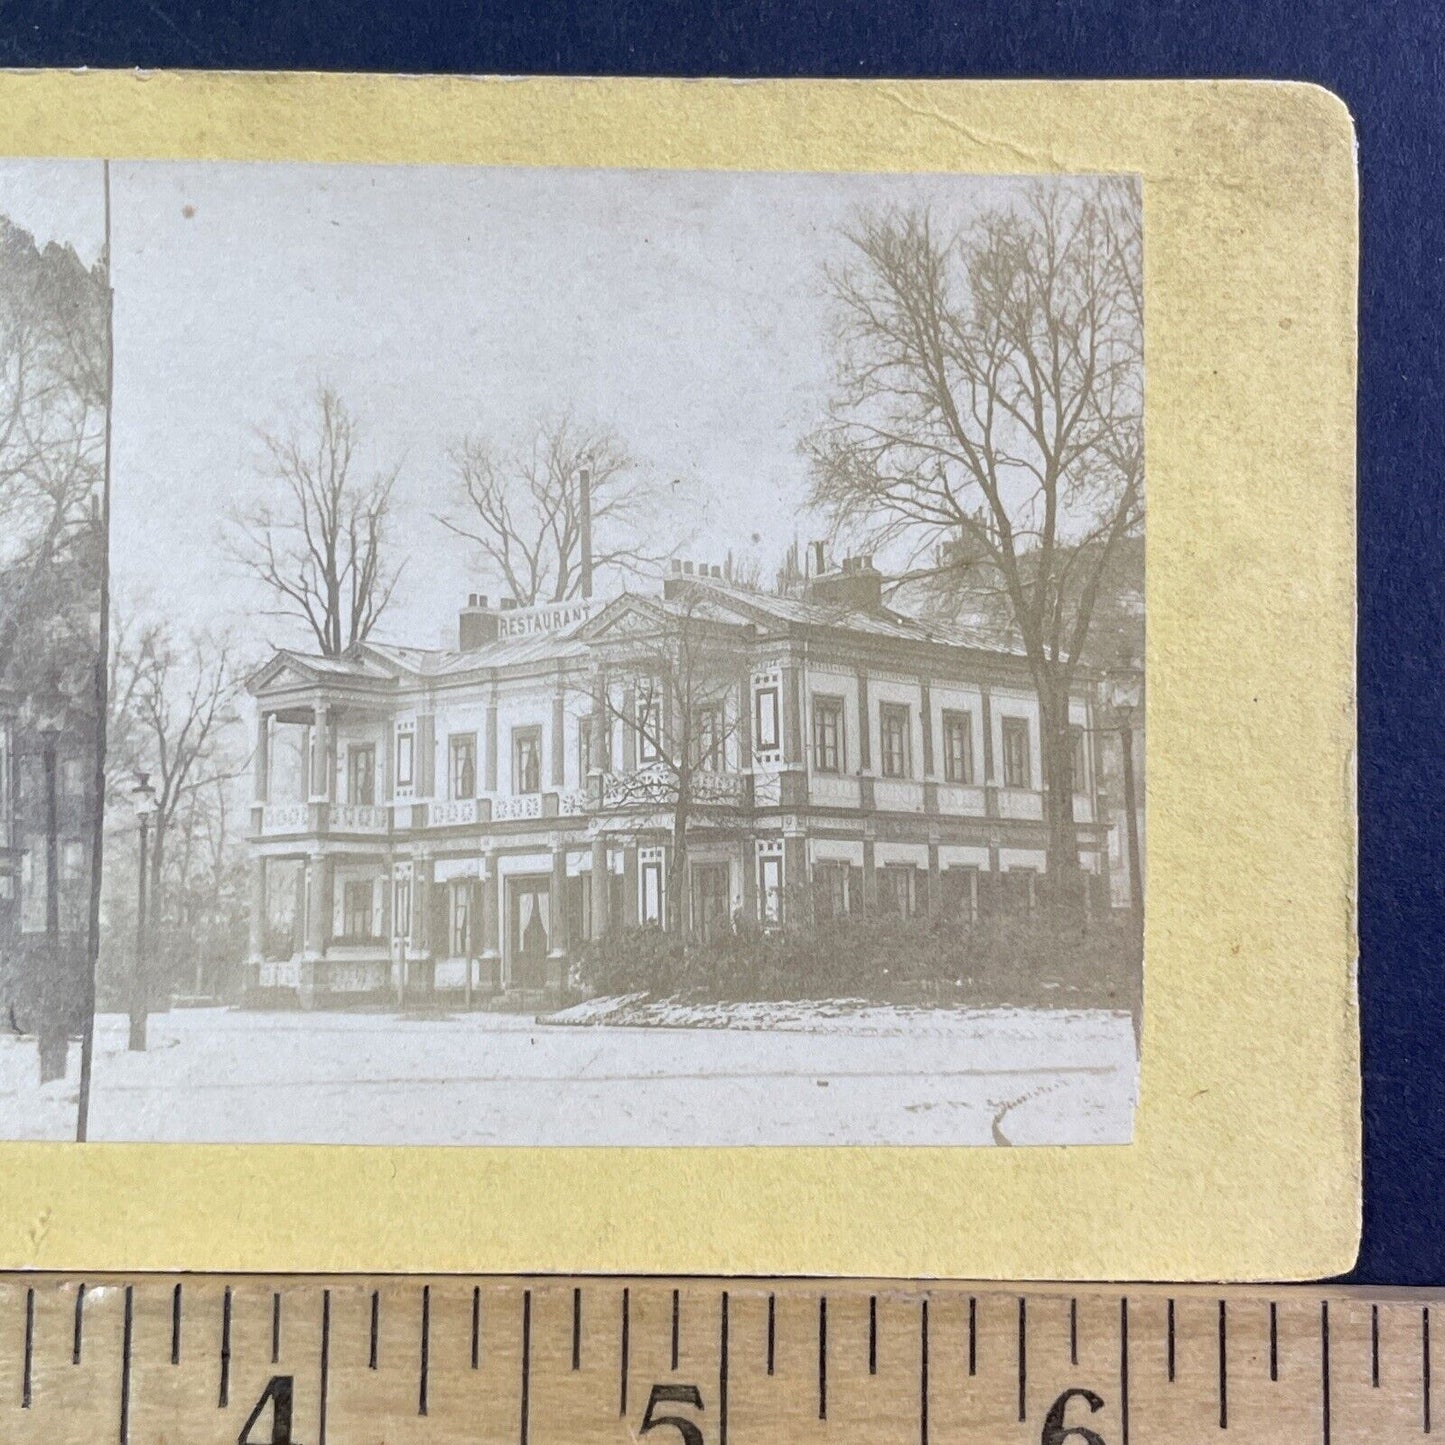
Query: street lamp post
point(49, 704)
point(143, 796)
point(1124, 696)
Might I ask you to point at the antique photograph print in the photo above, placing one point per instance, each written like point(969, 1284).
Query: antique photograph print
point(570, 657)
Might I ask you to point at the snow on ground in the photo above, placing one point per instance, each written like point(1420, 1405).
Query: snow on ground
point(778, 1074)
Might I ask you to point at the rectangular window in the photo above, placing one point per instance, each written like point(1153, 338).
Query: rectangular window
point(770, 889)
point(649, 741)
point(897, 890)
point(957, 747)
point(356, 910)
point(74, 895)
point(893, 728)
point(959, 892)
point(830, 890)
point(526, 760)
point(828, 734)
point(1081, 774)
point(579, 907)
point(72, 777)
point(652, 893)
point(1016, 771)
point(708, 738)
point(461, 919)
point(584, 750)
point(1018, 888)
point(405, 760)
point(361, 774)
point(462, 768)
point(767, 728)
point(401, 908)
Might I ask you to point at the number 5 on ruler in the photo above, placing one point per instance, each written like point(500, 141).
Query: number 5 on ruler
point(671, 1395)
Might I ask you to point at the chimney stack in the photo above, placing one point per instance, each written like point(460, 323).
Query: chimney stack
point(820, 559)
point(858, 586)
point(477, 624)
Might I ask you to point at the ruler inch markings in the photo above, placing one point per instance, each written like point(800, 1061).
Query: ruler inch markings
point(887, 1365)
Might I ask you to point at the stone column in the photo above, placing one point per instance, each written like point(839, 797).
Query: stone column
point(990, 777)
point(559, 738)
point(629, 885)
point(750, 881)
point(865, 730)
point(298, 913)
point(795, 875)
point(491, 920)
point(261, 761)
point(558, 954)
point(629, 734)
point(926, 718)
point(323, 771)
point(257, 917)
point(492, 744)
point(745, 720)
point(601, 878)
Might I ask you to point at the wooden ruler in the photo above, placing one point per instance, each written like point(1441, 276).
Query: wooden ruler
point(555, 1361)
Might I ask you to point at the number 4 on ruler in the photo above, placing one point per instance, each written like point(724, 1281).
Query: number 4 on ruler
point(278, 1394)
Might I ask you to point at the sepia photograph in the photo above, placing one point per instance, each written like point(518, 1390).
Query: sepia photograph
point(570, 657)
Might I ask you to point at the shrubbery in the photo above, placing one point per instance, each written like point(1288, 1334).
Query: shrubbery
point(1036, 960)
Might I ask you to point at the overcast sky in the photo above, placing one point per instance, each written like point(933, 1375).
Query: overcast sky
point(685, 310)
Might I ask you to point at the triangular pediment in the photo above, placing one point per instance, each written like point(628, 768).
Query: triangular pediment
point(281, 674)
point(623, 617)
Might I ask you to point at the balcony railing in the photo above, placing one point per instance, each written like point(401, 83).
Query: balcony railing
point(357, 818)
point(286, 818)
point(516, 807)
point(658, 788)
point(451, 813)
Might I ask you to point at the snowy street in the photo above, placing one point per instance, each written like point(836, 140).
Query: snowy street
point(872, 1076)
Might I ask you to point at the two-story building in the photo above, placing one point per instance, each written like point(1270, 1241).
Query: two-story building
point(461, 821)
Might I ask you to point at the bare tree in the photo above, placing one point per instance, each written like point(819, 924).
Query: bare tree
point(321, 549)
point(989, 396)
point(522, 508)
point(171, 709)
point(52, 427)
point(683, 706)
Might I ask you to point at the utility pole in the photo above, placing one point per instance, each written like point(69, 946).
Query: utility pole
point(585, 507)
point(145, 806)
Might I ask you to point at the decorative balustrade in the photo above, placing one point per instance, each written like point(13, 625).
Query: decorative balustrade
point(358, 818)
point(517, 807)
point(658, 787)
point(451, 813)
point(572, 802)
point(286, 818)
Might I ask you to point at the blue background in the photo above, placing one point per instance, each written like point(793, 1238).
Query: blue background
point(1384, 58)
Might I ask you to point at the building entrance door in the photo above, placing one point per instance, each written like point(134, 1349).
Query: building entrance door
point(529, 931)
point(710, 916)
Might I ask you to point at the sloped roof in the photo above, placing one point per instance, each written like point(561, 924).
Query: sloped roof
point(884, 623)
point(712, 599)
